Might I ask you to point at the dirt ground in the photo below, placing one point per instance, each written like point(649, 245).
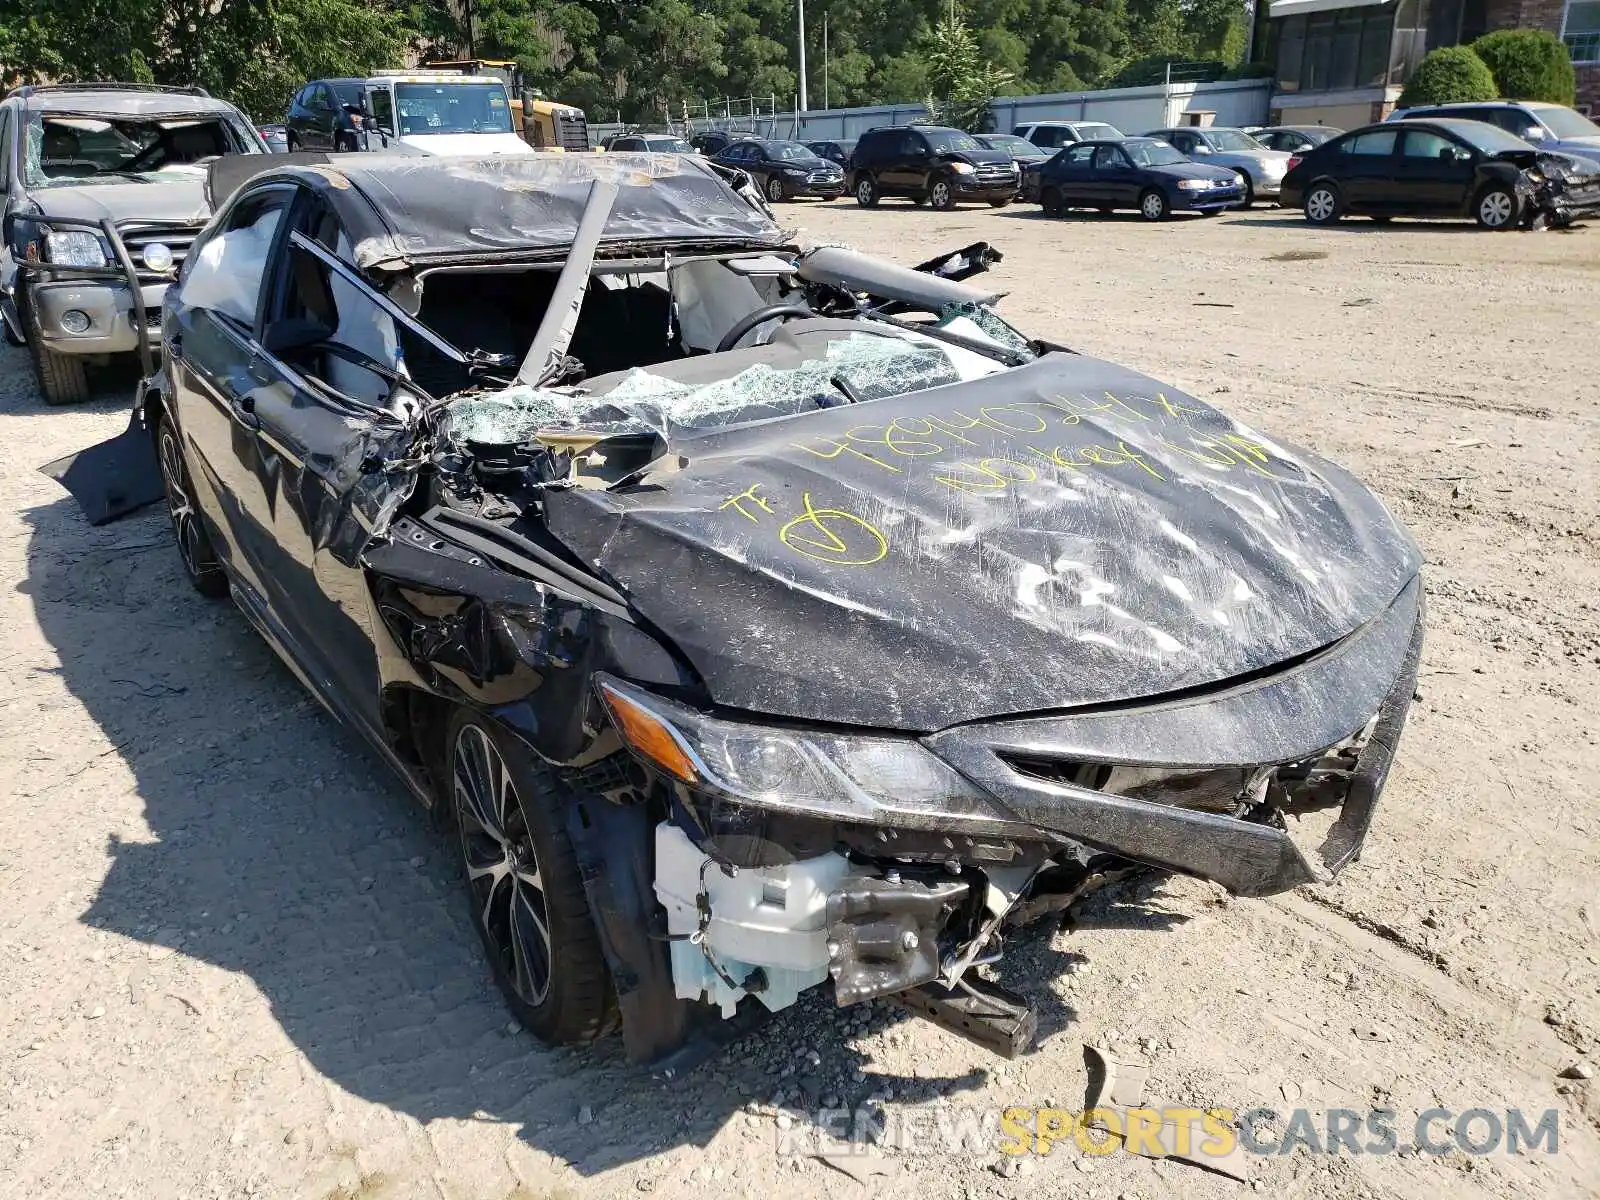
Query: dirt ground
point(234, 961)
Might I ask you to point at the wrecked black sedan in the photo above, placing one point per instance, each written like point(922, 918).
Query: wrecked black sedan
point(758, 619)
point(1441, 168)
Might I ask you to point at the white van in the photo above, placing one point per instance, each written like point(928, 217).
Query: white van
point(442, 112)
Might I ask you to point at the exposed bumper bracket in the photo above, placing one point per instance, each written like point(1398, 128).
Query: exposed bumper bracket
point(980, 1011)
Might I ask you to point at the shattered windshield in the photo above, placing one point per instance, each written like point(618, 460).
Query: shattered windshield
point(452, 108)
point(858, 366)
point(65, 149)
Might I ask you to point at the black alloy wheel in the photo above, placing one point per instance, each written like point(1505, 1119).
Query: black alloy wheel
point(200, 564)
point(527, 898)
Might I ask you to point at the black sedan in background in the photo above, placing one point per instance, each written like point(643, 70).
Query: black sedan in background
point(784, 170)
point(1440, 168)
point(835, 150)
point(1140, 173)
point(1293, 138)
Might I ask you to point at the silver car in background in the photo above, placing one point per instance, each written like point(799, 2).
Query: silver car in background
point(1263, 169)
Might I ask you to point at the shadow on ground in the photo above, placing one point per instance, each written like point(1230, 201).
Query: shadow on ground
point(285, 852)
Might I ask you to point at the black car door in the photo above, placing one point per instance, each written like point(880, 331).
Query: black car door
point(320, 129)
point(213, 369)
point(321, 416)
point(1365, 169)
point(1435, 173)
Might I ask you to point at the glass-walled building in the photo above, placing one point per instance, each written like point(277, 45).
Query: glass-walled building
point(1343, 62)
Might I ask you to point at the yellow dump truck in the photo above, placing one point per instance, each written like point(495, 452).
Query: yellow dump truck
point(543, 124)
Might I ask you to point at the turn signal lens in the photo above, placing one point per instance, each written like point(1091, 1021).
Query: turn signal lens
point(649, 735)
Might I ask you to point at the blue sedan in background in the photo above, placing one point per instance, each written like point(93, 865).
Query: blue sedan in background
point(1138, 173)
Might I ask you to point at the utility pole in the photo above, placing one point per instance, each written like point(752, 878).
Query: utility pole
point(803, 104)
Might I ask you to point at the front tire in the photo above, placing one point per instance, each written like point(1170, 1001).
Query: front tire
point(1323, 204)
point(1249, 193)
point(345, 143)
point(1050, 201)
point(527, 898)
point(866, 192)
point(942, 195)
point(1497, 208)
point(1153, 205)
point(200, 564)
point(775, 190)
point(62, 378)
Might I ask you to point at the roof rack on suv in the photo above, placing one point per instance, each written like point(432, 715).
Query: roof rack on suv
point(34, 89)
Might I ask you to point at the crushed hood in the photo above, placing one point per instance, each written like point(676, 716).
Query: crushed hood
point(1065, 534)
point(178, 195)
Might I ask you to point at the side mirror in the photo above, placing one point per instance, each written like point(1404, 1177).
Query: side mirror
point(1533, 134)
point(1201, 148)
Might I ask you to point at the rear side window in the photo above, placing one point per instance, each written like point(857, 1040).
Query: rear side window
point(226, 273)
point(1375, 142)
point(1048, 138)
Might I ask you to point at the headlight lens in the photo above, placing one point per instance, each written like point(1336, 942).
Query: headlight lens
point(961, 168)
point(882, 780)
point(1194, 185)
point(75, 248)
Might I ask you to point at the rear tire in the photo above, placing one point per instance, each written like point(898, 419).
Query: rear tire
point(1497, 208)
point(866, 192)
point(345, 143)
point(199, 557)
point(525, 894)
point(62, 378)
point(1323, 204)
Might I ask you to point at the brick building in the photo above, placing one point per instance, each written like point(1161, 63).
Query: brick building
point(1344, 62)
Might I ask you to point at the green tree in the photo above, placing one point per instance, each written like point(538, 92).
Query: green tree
point(962, 82)
point(1528, 64)
point(1449, 74)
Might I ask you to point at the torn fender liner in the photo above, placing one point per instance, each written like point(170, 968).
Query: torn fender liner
point(114, 478)
point(612, 843)
point(868, 564)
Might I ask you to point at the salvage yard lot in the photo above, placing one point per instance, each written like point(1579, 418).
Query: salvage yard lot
point(234, 960)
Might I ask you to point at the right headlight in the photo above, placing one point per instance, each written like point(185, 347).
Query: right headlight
point(74, 248)
point(842, 777)
point(1194, 185)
